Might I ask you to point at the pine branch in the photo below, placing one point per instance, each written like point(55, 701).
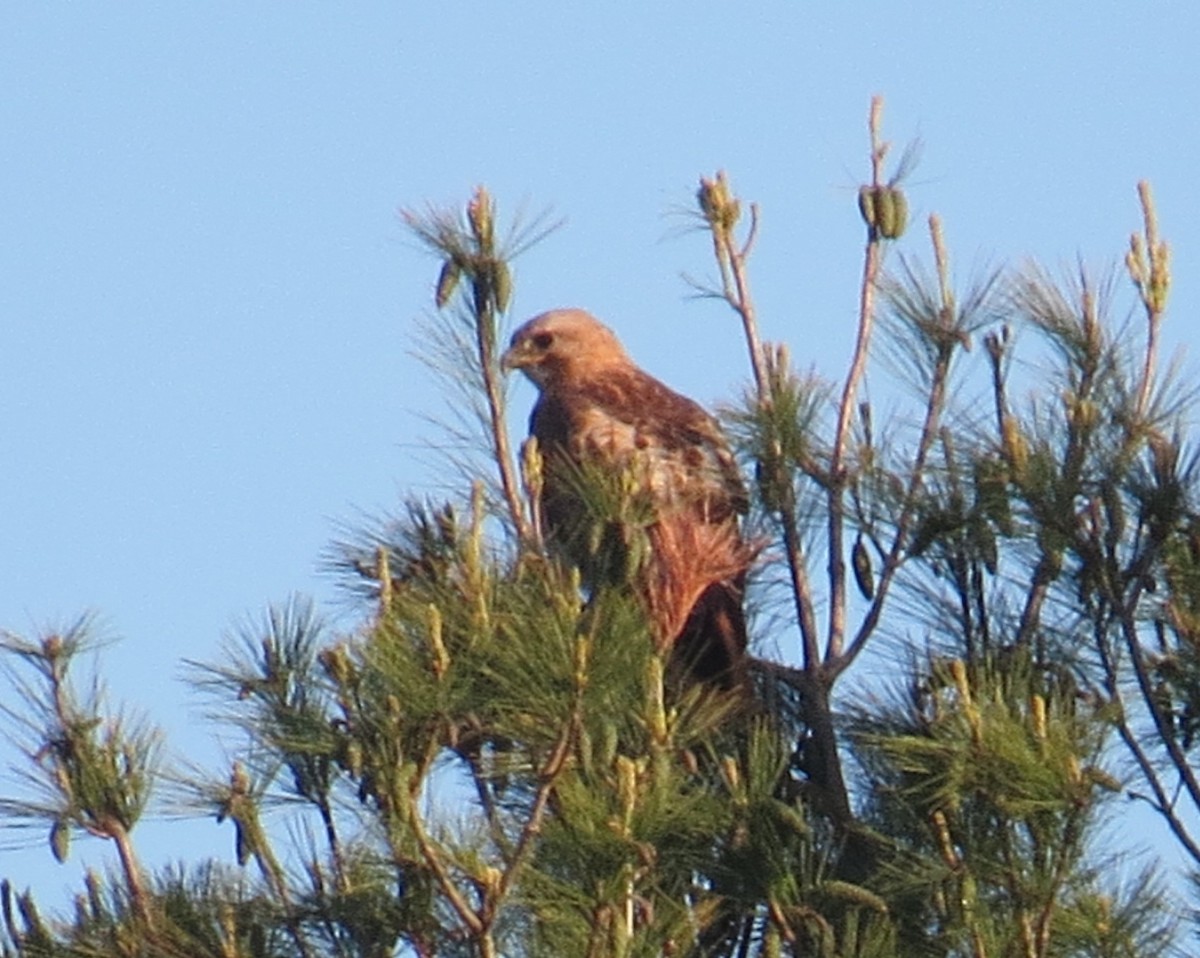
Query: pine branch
point(836, 488)
point(945, 333)
point(1149, 264)
point(721, 211)
point(470, 251)
point(547, 777)
point(1178, 758)
point(433, 859)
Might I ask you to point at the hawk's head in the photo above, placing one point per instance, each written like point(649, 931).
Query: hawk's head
point(562, 344)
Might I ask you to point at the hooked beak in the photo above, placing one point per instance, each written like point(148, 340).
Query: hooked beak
point(514, 358)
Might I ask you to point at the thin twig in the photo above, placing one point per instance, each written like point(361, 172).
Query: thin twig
point(720, 210)
point(934, 406)
point(1179, 759)
point(486, 802)
point(872, 259)
point(133, 872)
point(731, 259)
point(1162, 803)
point(248, 821)
point(441, 873)
point(533, 825)
point(1152, 278)
point(335, 845)
point(801, 590)
point(1064, 857)
point(502, 449)
point(929, 431)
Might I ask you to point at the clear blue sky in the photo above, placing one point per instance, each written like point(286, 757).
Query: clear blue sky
point(207, 302)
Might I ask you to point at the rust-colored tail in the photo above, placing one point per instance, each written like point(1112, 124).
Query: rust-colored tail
point(693, 590)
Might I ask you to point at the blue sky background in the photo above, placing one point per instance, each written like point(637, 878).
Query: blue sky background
point(207, 303)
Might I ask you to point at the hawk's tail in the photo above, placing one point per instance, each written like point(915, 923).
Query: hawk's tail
point(711, 646)
point(694, 594)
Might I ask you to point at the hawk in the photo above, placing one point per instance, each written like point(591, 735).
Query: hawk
point(598, 412)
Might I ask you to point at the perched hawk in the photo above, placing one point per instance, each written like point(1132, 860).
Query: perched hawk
point(598, 411)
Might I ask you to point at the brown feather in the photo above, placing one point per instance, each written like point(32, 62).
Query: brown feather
point(597, 408)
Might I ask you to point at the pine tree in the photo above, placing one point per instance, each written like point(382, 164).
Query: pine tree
point(499, 761)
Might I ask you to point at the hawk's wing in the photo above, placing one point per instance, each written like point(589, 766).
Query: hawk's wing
point(631, 428)
point(631, 420)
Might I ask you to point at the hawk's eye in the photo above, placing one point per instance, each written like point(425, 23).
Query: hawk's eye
point(543, 340)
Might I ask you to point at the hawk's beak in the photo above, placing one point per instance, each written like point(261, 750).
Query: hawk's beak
point(513, 358)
